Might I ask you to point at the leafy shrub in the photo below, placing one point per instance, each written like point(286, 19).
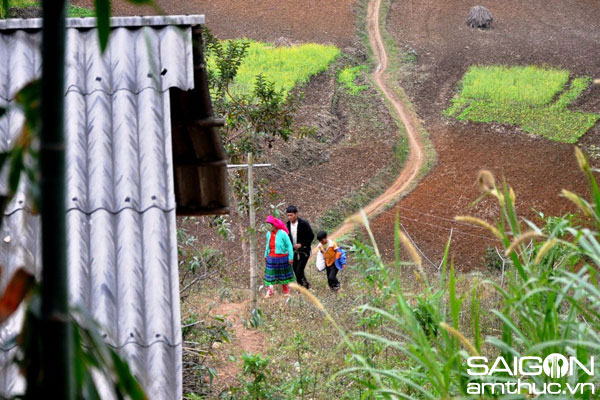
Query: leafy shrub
point(424, 313)
point(255, 378)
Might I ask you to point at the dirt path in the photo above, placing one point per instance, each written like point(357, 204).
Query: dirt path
point(243, 340)
point(415, 160)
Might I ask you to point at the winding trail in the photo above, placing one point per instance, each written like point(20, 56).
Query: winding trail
point(415, 160)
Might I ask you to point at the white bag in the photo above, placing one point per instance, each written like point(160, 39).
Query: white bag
point(320, 263)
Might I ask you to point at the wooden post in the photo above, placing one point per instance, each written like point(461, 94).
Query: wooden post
point(252, 233)
point(253, 273)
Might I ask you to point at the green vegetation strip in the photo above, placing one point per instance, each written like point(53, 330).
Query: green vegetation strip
point(523, 96)
point(348, 76)
point(286, 66)
point(72, 11)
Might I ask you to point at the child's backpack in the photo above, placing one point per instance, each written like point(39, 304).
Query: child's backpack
point(342, 260)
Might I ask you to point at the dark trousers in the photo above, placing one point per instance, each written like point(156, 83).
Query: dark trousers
point(332, 279)
point(300, 260)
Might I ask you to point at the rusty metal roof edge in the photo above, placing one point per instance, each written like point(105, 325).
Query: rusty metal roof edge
point(115, 22)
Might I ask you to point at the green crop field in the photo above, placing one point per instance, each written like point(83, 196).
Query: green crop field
point(528, 97)
point(286, 66)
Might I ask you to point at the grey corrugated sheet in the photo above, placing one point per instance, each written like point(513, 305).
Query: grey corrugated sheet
point(122, 242)
point(86, 22)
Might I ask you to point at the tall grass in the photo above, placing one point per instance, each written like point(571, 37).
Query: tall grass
point(286, 66)
point(416, 347)
point(522, 96)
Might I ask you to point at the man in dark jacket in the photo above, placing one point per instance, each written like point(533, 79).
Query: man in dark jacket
point(301, 235)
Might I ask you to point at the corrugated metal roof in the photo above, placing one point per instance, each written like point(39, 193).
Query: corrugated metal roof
point(122, 242)
point(86, 22)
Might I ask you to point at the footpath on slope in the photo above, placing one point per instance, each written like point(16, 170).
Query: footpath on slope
point(415, 160)
point(254, 340)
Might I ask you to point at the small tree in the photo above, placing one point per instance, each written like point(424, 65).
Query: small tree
point(254, 121)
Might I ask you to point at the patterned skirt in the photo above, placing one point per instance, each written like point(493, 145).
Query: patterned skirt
point(278, 270)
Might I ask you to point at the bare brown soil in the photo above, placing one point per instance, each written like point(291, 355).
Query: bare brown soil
point(556, 33)
point(246, 340)
point(267, 20)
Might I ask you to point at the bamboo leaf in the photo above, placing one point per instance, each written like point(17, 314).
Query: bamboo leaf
point(29, 99)
point(125, 380)
point(444, 263)
point(455, 302)
point(3, 158)
point(16, 167)
point(510, 324)
point(103, 21)
point(3, 9)
point(18, 288)
point(475, 304)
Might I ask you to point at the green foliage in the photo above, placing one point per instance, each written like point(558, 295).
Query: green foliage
point(577, 87)
point(522, 96)
point(424, 313)
point(223, 60)
point(188, 325)
point(102, 8)
point(223, 226)
point(79, 12)
point(23, 157)
point(255, 377)
point(257, 382)
point(285, 66)
point(72, 11)
point(347, 77)
point(255, 117)
point(21, 3)
point(91, 355)
point(256, 318)
point(3, 8)
point(410, 55)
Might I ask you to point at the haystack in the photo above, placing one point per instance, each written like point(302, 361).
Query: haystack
point(479, 17)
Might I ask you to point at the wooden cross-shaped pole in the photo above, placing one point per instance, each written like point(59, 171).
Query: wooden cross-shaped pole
point(253, 273)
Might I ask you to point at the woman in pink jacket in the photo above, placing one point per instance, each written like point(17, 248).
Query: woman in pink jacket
point(279, 257)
